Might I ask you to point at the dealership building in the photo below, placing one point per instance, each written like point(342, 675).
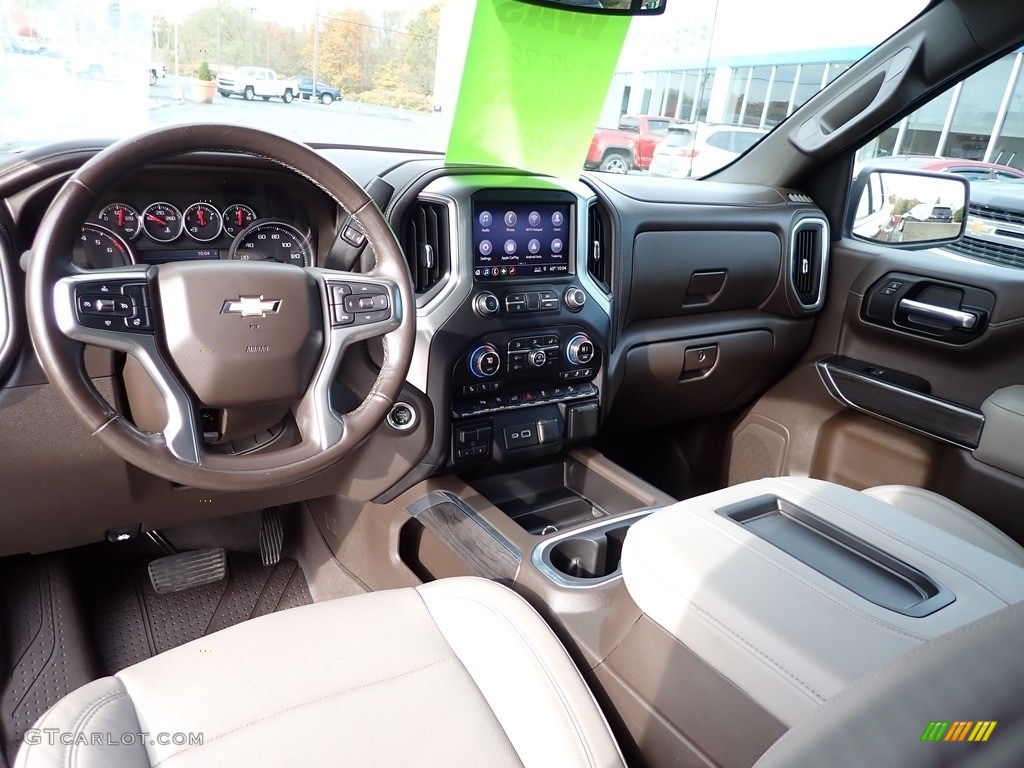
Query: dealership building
point(980, 118)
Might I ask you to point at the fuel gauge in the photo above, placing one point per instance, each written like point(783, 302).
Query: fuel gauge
point(121, 218)
point(202, 222)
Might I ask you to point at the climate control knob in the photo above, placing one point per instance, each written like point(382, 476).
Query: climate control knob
point(574, 299)
point(579, 350)
point(485, 361)
point(537, 358)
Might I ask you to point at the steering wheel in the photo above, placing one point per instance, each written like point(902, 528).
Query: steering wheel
point(220, 334)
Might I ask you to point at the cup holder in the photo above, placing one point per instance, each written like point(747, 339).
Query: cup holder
point(589, 556)
point(586, 556)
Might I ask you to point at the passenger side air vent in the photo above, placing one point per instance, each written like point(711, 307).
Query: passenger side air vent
point(598, 250)
point(809, 261)
point(427, 245)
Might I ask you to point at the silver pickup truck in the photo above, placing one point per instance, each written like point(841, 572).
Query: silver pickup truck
point(250, 82)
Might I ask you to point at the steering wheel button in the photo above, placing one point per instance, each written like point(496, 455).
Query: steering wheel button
point(136, 293)
point(139, 321)
point(365, 318)
point(341, 317)
point(87, 305)
point(338, 292)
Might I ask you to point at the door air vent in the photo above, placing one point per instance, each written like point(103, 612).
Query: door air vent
point(427, 245)
point(809, 261)
point(598, 250)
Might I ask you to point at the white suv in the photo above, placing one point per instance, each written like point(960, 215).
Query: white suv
point(697, 149)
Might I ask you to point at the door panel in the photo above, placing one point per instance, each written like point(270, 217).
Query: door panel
point(800, 427)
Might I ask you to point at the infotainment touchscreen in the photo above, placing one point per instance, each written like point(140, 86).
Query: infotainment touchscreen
point(520, 239)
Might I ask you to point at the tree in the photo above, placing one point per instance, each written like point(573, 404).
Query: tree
point(346, 42)
point(420, 55)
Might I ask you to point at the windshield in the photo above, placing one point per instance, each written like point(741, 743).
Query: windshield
point(388, 73)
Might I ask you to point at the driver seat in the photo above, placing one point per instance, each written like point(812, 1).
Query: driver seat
point(457, 672)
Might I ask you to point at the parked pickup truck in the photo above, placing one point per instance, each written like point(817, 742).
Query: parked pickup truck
point(250, 82)
point(325, 93)
point(631, 145)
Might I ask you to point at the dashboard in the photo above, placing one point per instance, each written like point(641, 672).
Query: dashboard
point(547, 311)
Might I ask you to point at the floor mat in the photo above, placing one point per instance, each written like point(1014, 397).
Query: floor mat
point(131, 622)
point(66, 620)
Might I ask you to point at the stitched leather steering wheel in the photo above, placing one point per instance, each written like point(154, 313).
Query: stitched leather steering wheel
point(219, 334)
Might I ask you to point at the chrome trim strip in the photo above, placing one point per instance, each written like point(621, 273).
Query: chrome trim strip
point(973, 421)
point(955, 317)
point(433, 498)
point(541, 556)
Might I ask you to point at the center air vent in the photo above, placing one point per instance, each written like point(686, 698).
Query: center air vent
point(427, 245)
point(808, 262)
point(598, 250)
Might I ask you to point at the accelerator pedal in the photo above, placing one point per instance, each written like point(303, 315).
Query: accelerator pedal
point(271, 536)
point(195, 568)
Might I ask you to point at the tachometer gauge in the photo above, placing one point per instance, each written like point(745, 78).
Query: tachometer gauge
point(99, 248)
point(120, 218)
point(273, 241)
point(202, 222)
point(237, 217)
point(162, 222)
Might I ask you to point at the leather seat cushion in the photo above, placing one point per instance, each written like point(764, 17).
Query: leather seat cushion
point(457, 672)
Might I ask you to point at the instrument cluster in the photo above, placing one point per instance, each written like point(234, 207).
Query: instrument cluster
point(122, 233)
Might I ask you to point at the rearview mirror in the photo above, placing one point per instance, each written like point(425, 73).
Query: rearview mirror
point(908, 209)
point(609, 7)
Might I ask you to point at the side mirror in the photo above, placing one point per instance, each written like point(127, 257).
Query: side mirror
point(607, 7)
point(908, 209)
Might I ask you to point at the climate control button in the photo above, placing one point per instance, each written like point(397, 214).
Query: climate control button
point(537, 358)
point(485, 361)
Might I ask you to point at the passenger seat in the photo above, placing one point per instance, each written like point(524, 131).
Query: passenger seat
point(950, 517)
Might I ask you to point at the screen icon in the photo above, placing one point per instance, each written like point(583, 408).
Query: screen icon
point(533, 246)
point(486, 247)
point(534, 218)
point(556, 246)
point(511, 219)
point(510, 246)
point(486, 219)
point(557, 218)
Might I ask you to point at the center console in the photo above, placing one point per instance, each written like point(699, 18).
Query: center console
point(513, 345)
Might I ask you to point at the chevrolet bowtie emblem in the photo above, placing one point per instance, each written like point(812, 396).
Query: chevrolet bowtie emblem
point(251, 306)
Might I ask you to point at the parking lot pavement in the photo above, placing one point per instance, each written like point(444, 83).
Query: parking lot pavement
point(58, 104)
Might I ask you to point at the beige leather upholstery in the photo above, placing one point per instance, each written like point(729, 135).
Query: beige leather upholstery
point(950, 516)
point(458, 672)
point(785, 634)
point(972, 675)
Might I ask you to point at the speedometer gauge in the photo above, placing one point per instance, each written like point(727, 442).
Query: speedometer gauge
point(273, 241)
point(99, 248)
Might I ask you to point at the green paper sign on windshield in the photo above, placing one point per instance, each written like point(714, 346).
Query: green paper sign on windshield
point(533, 87)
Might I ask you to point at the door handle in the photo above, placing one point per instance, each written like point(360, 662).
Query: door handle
point(954, 317)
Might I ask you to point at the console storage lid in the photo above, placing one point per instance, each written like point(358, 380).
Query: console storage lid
point(793, 600)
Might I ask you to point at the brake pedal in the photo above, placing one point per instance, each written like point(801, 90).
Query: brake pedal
point(188, 569)
point(271, 536)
